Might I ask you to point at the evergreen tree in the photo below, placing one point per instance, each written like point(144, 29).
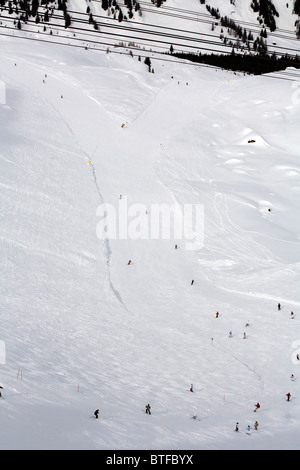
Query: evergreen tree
point(147, 61)
point(297, 7)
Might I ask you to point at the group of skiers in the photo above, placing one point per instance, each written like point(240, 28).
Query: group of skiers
point(288, 395)
point(237, 427)
point(292, 313)
point(230, 332)
point(96, 413)
point(257, 406)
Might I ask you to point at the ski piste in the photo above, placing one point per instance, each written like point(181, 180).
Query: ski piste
point(130, 336)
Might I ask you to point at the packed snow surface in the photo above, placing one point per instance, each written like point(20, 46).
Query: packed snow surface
point(80, 328)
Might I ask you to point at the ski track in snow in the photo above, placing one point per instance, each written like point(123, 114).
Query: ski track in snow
point(89, 159)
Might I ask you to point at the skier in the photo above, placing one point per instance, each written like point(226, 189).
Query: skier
point(257, 406)
point(0, 391)
point(288, 395)
point(192, 283)
point(292, 315)
point(217, 315)
point(230, 334)
point(297, 357)
point(279, 307)
point(248, 429)
point(96, 414)
point(256, 425)
point(237, 427)
point(192, 388)
point(245, 336)
point(129, 262)
point(148, 409)
point(292, 377)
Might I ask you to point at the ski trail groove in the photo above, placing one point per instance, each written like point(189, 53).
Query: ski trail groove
point(243, 364)
point(106, 245)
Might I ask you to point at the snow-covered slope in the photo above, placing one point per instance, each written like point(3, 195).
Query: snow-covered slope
point(82, 329)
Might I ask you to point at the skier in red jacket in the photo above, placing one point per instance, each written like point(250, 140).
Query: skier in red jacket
point(257, 406)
